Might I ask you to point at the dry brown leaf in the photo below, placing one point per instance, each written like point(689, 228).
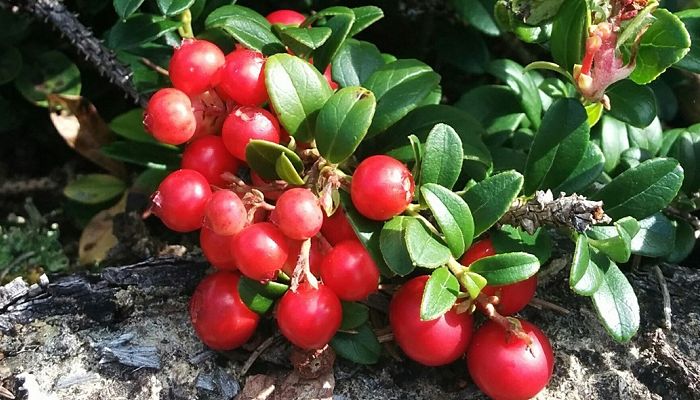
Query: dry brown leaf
point(97, 237)
point(80, 125)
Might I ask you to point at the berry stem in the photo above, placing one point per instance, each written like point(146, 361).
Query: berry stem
point(186, 29)
point(302, 271)
point(511, 325)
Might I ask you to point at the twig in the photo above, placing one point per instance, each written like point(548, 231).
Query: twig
point(150, 64)
point(258, 352)
point(385, 338)
point(665, 295)
point(540, 303)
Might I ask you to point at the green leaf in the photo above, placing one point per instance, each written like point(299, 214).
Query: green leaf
point(424, 248)
point(340, 24)
point(392, 242)
point(50, 73)
point(489, 199)
point(509, 239)
point(691, 20)
point(146, 154)
point(286, 170)
point(616, 302)
point(354, 315)
point(439, 295)
point(663, 44)
point(569, 33)
point(399, 87)
point(594, 111)
point(343, 122)
point(361, 347)
point(364, 17)
point(506, 268)
point(148, 181)
point(586, 172)
point(302, 41)
point(130, 126)
point(258, 297)
point(138, 29)
point(488, 102)
point(452, 215)
point(124, 8)
point(474, 283)
point(94, 188)
point(686, 149)
point(522, 84)
point(559, 145)
point(632, 103)
point(613, 141)
point(656, 237)
point(442, 157)
point(297, 93)
point(479, 14)
point(173, 7)
point(615, 241)
point(642, 190)
point(262, 157)
point(683, 244)
point(247, 27)
point(585, 277)
point(649, 138)
point(10, 63)
point(355, 62)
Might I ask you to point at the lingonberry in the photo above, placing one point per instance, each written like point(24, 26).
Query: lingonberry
point(298, 213)
point(217, 249)
point(225, 213)
point(329, 78)
point(248, 123)
point(169, 117)
point(349, 271)
point(260, 250)
point(382, 187)
point(196, 66)
point(243, 78)
point(437, 342)
point(337, 228)
point(511, 298)
point(309, 317)
point(221, 320)
point(316, 255)
point(285, 17)
point(181, 199)
point(210, 111)
point(208, 156)
point(505, 367)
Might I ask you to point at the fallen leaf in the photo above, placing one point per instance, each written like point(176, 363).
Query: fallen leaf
point(97, 237)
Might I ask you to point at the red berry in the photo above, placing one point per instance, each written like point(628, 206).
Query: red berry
point(195, 66)
point(217, 249)
point(243, 78)
point(309, 317)
point(285, 17)
point(208, 156)
point(298, 214)
point(219, 317)
point(210, 111)
point(225, 213)
point(478, 250)
point(181, 199)
point(505, 367)
point(248, 123)
point(349, 270)
point(316, 255)
point(260, 250)
point(169, 117)
point(382, 187)
point(437, 342)
point(329, 77)
point(260, 184)
point(337, 228)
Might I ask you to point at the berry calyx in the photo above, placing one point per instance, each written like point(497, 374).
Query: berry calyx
point(337, 228)
point(309, 317)
point(217, 249)
point(437, 342)
point(208, 156)
point(225, 213)
point(248, 123)
point(260, 250)
point(382, 187)
point(243, 78)
point(195, 66)
point(210, 111)
point(349, 270)
point(316, 255)
point(285, 17)
point(219, 317)
point(169, 117)
point(298, 214)
point(181, 199)
point(505, 367)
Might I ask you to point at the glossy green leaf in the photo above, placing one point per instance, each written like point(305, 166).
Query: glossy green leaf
point(10, 63)
point(302, 41)
point(354, 315)
point(509, 239)
point(340, 24)
point(442, 157)
point(399, 87)
point(286, 170)
point(50, 73)
point(364, 17)
point(585, 277)
point(392, 242)
point(479, 14)
point(130, 126)
point(94, 188)
point(343, 122)
point(586, 172)
point(514, 75)
point(247, 27)
point(424, 248)
point(616, 302)
point(361, 347)
point(642, 190)
point(452, 215)
point(489, 199)
point(355, 62)
point(649, 138)
point(138, 29)
point(173, 7)
point(569, 33)
point(473, 282)
point(669, 138)
point(148, 181)
point(146, 154)
point(656, 236)
point(686, 149)
point(506, 268)
point(683, 244)
point(439, 295)
point(488, 102)
point(297, 92)
point(632, 103)
point(615, 241)
point(505, 159)
point(262, 158)
point(559, 145)
point(691, 20)
point(613, 141)
point(663, 44)
point(594, 111)
point(258, 297)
